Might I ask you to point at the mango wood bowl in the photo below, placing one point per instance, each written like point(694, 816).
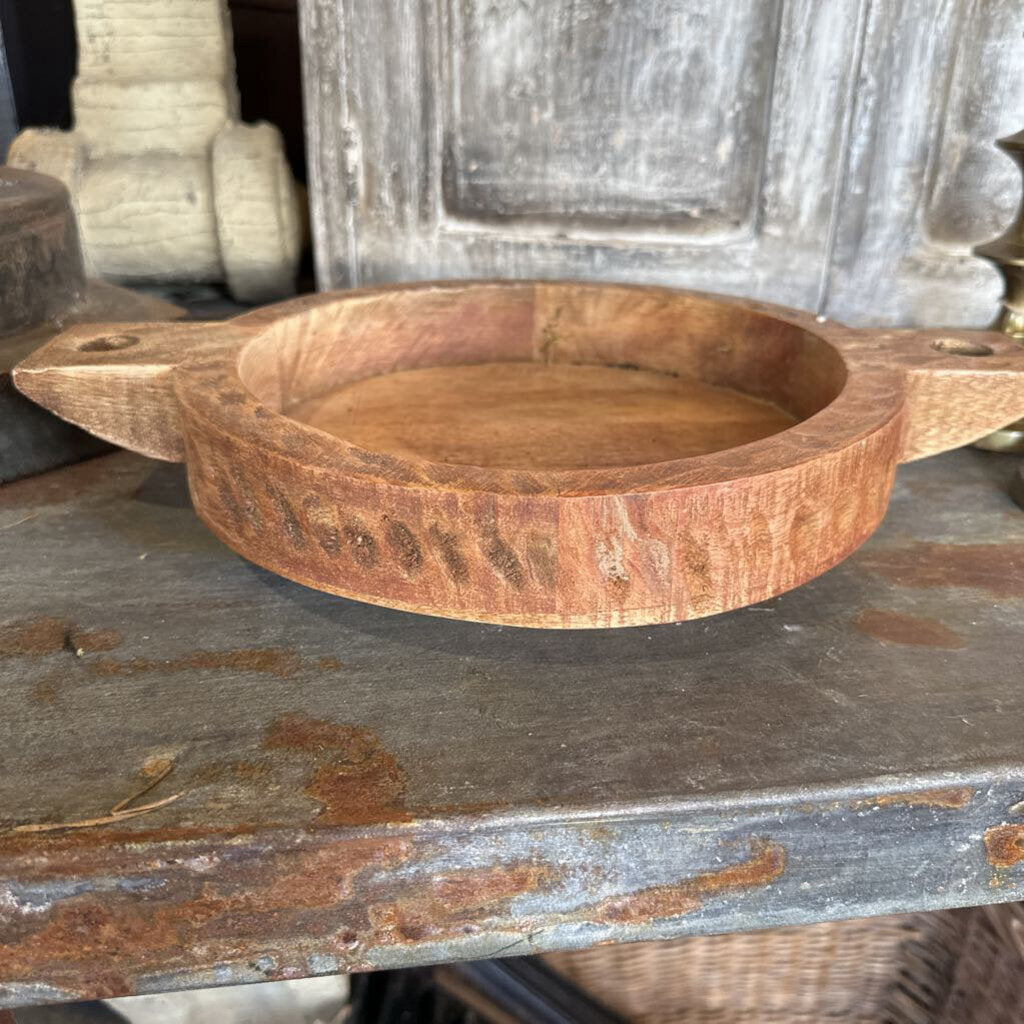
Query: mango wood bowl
point(535, 454)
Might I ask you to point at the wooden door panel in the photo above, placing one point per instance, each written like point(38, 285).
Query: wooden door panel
point(594, 112)
point(835, 156)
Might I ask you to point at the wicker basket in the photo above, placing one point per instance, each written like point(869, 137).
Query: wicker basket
point(948, 967)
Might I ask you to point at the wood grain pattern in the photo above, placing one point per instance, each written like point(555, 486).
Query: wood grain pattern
point(540, 541)
point(680, 142)
point(832, 156)
point(536, 416)
point(580, 119)
point(115, 380)
point(31, 440)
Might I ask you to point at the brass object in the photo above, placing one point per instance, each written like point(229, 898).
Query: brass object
point(1007, 253)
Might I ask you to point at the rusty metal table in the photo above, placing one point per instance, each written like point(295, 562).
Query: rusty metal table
point(363, 788)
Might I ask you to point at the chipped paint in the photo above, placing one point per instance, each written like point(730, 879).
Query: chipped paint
point(1004, 845)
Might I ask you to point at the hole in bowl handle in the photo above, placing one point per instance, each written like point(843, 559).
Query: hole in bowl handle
point(114, 379)
point(960, 384)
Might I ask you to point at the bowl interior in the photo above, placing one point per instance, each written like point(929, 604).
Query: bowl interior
point(540, 376)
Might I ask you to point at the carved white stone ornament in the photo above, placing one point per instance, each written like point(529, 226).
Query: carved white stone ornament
point(167, 184)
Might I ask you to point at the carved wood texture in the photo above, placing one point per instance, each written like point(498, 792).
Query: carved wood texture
point(832, 156)
point(531, 539)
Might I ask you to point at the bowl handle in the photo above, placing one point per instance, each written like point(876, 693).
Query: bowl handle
point(960, 384)
point(114, 379)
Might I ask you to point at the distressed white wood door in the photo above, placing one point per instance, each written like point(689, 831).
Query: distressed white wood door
point(830, 154)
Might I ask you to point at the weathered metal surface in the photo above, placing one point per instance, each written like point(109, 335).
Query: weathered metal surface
point(356, 788)
point(834, 156)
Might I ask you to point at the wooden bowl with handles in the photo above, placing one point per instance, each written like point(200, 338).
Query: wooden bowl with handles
point(534, 453)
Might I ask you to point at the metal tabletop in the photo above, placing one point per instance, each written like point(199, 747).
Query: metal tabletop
point(356, 788)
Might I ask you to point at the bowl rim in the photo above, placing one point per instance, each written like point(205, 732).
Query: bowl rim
point(209, 386)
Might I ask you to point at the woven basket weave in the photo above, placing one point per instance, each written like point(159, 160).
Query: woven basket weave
point(947, 967)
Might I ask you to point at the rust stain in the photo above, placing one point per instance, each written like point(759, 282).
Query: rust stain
point(767, 864)
point(294, 731)
point(291, 898)
point(1004, 845)
point(447, 905)
point(356, 781)
point(997, 569)
point(49, 634)
point(360, 793)
point(953, 798)
point(97, 943)
point(471, 889)
point(277, 661)
point(911, 630)
point(38, 636)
